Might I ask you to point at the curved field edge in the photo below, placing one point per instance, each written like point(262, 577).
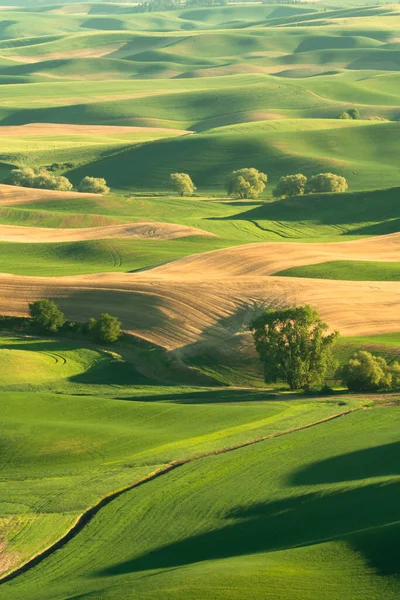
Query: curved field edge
point(347, 270)
point(88, 515)
point(252, 505)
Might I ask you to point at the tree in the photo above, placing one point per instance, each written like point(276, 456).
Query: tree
point(246, 183)
point(22, 177)
point(365, 372)
point(46, 315)
point(105, 329)
point(351, 113)
point(294, 346)
point(182, 184)
point(326, 182)
point(94, 185)
point(290, 185)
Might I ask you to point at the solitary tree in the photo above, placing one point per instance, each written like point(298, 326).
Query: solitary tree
point(294, 346)
point(365, 372)
point(46, 315)
point(182, 184)
point(326, 182)
point(290, 185)
point(246, 183)
point(94, 185)
point(106, 328)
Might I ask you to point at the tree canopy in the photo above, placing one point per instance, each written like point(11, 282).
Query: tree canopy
point(350, 114)
point(39, 179)
point(326, 182)
point(294, 346)
point(365, 372)
point(46, 315)
point(246, 183)
point(182, 184)
point(94, 185)
point(105, 329)
point(290, 185)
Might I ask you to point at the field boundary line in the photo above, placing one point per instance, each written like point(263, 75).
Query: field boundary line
point(84, 518)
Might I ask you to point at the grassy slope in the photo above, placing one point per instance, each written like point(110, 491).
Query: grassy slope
point(209, 158)
point(348, 270)
point(85, 447)
point(293, 518)
point(308, 218)
point(274, 520)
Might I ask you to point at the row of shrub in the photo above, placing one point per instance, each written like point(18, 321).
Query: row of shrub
point(44, 179)
point(46, 317)
point(250, 183)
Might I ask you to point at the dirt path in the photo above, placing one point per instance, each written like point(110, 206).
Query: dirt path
point(85, 518)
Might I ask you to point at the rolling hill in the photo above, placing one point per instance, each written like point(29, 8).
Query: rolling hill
point(163, 466)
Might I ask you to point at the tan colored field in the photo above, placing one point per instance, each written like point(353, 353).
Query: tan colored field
point(178, 314)
point(37, 235)
point(208, 300)
point(11, 194)
point(96, 52)
point(32, 129)
point(261, 259)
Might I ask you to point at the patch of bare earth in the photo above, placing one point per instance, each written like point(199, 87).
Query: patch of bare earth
point(11, 195)
point(7, 559)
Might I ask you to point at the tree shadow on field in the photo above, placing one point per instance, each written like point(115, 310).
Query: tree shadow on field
point(366, 517)
point(137, 310)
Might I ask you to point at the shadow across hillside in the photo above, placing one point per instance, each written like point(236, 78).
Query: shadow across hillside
point(366, 517)
point(380, 207)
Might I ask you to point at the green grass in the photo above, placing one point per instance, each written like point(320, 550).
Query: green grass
point(209, 158)
point(309, 515)
point(85, 446)
point(347, 270)
point(275, 520)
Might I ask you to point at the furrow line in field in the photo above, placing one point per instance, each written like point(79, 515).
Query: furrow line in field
point(85, 518)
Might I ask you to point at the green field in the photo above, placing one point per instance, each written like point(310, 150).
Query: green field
point(163, 467)
point(347, 270)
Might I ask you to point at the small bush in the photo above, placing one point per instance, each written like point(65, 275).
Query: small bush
point(246, 183)
point(290, 185)
point(106, 329)
point(94, 185)
point(325, 183)
point(365, 372)
point(182, 184)
point(46, 315)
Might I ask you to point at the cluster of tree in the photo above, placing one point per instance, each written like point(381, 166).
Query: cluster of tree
point(350, 114)
point(39, 179)
point(295, 347)
point(250, 183)
point(48, 318)
point(44, 179)
point(297, 185)
point(162, 5)
point(365, 372)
